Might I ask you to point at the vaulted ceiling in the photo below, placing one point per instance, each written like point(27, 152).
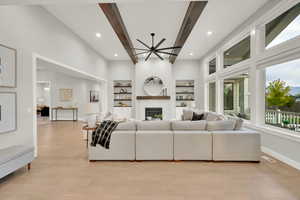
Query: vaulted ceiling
point(163, 17)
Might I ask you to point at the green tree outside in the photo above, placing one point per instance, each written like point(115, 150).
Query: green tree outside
point(278, 95)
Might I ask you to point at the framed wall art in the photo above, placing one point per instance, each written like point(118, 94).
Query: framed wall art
point(8, 66)
point(8, 112)
point(94, 96)
point(65, 94)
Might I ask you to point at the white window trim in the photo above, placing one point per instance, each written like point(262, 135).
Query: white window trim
point(261, 58)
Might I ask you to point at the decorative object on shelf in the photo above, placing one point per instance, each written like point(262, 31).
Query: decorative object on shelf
point(123, 90)
point(94, 96)
point(190, 97)
point(8, 66)
point(91, 110)
point(153, 86)
point(183, 104)
point(154, 49)
point(65, 94)
point(8, 112)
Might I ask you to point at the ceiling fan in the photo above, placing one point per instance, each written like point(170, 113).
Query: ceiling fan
point(154, 49)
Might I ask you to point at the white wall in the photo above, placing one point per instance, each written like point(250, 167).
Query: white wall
point(31, 29)
point(189, 70)
point(181, 70)
point(81, 92)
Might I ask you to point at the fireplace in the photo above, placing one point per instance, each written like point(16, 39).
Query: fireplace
point(153, 113)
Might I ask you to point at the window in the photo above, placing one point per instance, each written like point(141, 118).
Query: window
point(237, 53)
point(283, 95)
point(283, 28)
point(236, 96)
point(212, 96)
point(212, 66)
point(228, 96)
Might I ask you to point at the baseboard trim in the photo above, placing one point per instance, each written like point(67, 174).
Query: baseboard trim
point(281, 157)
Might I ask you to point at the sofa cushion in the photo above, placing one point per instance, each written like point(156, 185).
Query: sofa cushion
point(238, 122)
point(189, 125)
point(154, 125)
point(13, 152)
point(220, 125)
point(212, 116)
point(187, 114)
point(129, 125)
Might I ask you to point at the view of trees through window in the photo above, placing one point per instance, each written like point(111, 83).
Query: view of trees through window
point(236, 96)
point(283, 95)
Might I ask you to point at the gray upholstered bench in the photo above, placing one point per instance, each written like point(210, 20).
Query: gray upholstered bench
point(14, 157)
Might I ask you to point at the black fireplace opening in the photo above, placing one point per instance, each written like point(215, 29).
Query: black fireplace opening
point(153, 113)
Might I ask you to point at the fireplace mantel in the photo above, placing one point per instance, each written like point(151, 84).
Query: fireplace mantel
point(153, 97)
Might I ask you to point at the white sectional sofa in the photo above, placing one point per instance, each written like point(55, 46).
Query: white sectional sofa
point(154, 141)
point(181, 140)
point(122, 145)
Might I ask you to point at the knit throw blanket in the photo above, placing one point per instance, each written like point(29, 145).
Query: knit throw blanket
point(103, 133)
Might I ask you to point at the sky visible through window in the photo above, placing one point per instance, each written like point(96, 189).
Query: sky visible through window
point(290, 32)
point(288, 72)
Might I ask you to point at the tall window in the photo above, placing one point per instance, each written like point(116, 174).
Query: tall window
point(212, 97)
point(236, 96)
point(283, 95)
point(284, 27)
point(237, 53)
point(212, 66)
point(228, 96)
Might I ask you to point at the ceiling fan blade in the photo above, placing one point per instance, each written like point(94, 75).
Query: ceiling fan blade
point(168, 48)
point(158, 44)
point(171, 54)
point(148, 56)
point(142, 53)
point(143, 43)
point(141, 49)
point(158, 55)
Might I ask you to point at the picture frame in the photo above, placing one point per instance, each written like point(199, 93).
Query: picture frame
point(65, 94)
point(8, 67)
point(94, 96)
point(8, 112)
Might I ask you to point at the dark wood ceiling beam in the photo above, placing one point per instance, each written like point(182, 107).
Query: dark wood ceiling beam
point(190, 19)
point(113, 15)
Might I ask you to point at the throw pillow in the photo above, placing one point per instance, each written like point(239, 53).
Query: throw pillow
point(187, 114)
point(238, 122)
point(197, 117)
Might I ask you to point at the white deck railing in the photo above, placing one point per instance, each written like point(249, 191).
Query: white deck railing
point(277, 118)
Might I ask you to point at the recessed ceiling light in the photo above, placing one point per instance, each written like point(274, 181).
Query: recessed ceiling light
point(98, 35)
point(209, 33)
point(116, 55)
point(191, 54)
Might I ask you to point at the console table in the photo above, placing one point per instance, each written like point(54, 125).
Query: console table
point(56, 109)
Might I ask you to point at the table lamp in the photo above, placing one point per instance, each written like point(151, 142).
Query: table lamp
point(91, 110)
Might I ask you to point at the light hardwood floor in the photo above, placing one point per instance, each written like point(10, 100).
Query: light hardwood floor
point(62, 172)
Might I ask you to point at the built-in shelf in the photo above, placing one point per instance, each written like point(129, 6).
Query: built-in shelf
point(122, 99)
point(185, 99)
point(153, 97)
point(124, 86)
point(184, 92)
point(122, 93)
point(184, 86)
